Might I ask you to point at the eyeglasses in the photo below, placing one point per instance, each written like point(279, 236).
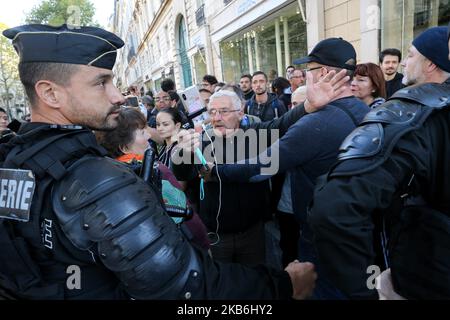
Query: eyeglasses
point(304, 71)
point(222, 112)
point(162, 99)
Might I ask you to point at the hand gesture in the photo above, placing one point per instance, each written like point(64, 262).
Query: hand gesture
point(324, 91)
point(188, 140)
point(303, 277)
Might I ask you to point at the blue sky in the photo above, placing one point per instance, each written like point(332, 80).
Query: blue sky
point(14, 15)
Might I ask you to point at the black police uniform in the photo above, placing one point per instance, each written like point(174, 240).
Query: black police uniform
point(399, 156)
point(93, 214)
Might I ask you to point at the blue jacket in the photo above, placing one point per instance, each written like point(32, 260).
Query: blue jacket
point(307, 150)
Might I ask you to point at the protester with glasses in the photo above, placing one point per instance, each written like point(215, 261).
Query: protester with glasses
point(297, 79)
point(310, 147)
point(237, 224)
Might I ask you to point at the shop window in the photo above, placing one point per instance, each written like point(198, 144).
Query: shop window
point(403, 20)
point(255, 48)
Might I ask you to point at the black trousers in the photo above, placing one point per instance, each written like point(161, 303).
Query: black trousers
point(289, 235)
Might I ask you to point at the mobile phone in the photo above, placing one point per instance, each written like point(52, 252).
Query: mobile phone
point(192, 101)
point(194, 105)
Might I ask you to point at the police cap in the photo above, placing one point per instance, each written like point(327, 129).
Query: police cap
point(83, 45)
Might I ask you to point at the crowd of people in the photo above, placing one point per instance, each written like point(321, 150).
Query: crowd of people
point(120, 190)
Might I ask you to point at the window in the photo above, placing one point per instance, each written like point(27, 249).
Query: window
point(403, 20)
point(254, 48)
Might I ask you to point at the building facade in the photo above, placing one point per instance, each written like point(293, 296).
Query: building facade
point(186, 39)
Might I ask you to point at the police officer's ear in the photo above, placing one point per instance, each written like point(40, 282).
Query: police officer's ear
point(49, 93)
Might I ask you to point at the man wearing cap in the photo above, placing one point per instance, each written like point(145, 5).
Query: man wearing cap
point(385, 204)
point(93, 229)
point(310, 146)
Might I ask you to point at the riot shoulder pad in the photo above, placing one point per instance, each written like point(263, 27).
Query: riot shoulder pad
point(369, 145)
point(101, 203)
point(433, 95)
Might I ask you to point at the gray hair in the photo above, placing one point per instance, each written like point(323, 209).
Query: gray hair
point(235, 100)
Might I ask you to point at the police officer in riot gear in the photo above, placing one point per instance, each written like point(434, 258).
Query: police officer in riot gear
point(385, 204)
point(89, 215)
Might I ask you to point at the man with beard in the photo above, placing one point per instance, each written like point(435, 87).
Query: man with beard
point(89, 228)
point(385, 204)
point(264, 105)
point(389, 62)
point(246, 86)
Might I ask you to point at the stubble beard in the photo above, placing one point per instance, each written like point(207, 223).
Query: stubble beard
point(95, 121)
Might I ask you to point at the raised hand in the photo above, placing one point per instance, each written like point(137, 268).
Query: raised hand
point(324, 91)
point(188, 140)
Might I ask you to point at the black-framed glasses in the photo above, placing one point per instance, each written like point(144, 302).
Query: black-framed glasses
point(221, 112)
point(304, 71)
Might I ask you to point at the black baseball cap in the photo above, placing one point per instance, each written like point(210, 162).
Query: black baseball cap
point(332, 52)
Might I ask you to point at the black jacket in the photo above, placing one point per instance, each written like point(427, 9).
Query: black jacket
point(48, 245)
point(243, 204)
point(349, 207)
point(248, 95)
point(394, 85)
point(272, 109)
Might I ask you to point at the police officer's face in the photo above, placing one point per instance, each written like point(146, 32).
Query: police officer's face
point(92, 100)
point(413, 66)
